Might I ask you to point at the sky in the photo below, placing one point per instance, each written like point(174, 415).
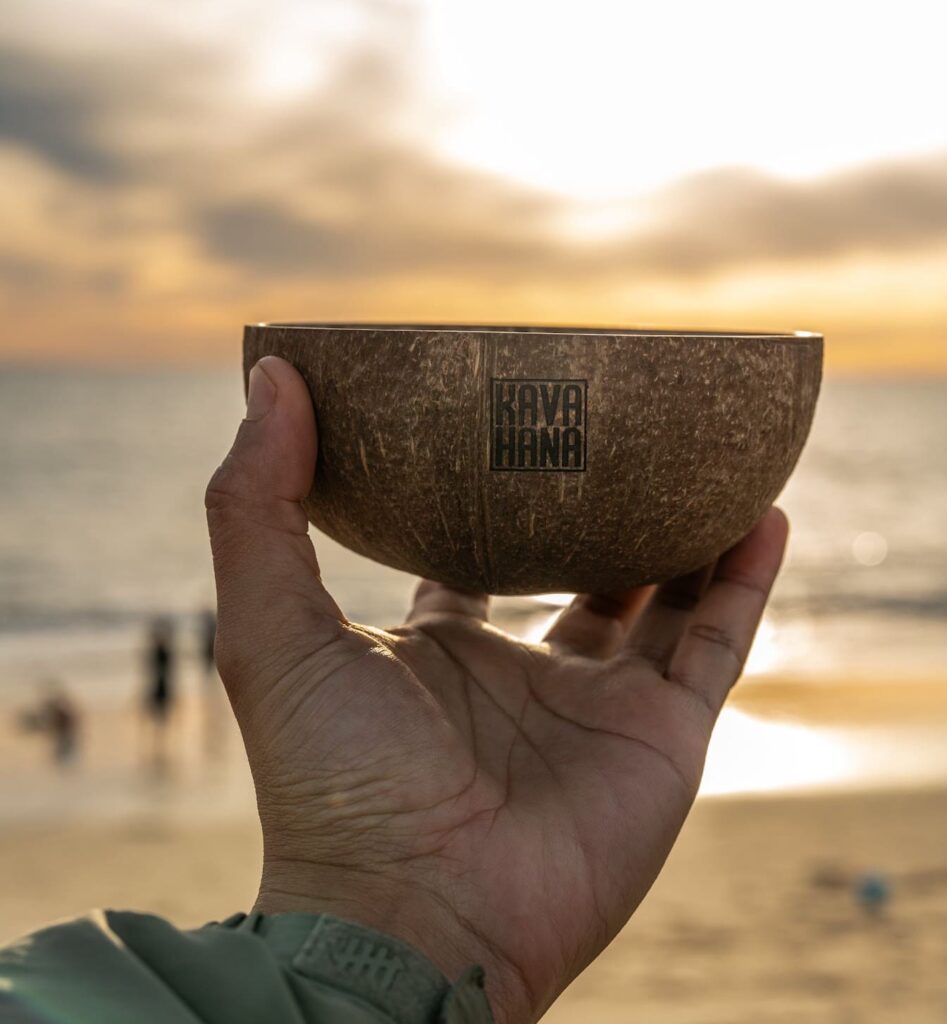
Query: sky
point(171, 171)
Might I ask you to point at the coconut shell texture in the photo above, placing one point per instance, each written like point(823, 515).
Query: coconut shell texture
point(529, 460)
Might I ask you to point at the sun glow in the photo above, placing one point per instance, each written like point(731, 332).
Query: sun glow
point(604, 99)
point(766, 652)
point(749, 755)
point(292, 55)
point(282, 72)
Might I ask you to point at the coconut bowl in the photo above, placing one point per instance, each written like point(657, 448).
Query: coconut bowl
point(521, 460)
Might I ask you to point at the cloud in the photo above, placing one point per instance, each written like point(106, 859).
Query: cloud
point(405, 211)
point(342, 183)
point(115, 118)
point(734, 216)
point(41, 281)
point(49, 111)
point(262, 236)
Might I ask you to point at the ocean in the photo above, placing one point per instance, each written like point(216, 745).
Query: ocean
point(102, 527)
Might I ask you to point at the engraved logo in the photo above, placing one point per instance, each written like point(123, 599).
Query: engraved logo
point(538, 425)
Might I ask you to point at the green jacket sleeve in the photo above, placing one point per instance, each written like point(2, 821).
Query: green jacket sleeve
point(117, 967)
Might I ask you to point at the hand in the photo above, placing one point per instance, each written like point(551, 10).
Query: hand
point(487, 800)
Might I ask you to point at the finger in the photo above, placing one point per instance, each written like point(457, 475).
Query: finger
point(658, 629)
point(268, 582)
point(594, 625)
point(432, 598)
point(711, 654)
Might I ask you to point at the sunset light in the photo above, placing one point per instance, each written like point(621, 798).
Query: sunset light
point(604, 100)
point(473, 494)
point(173, 177)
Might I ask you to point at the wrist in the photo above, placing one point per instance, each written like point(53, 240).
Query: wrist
point(405, 910)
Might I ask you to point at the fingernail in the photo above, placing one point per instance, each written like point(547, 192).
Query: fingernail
point(261, 394)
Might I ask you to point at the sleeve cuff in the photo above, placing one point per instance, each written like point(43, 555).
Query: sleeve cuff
point(392, 977)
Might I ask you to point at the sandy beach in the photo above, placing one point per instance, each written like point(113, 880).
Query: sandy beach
point(755, 918)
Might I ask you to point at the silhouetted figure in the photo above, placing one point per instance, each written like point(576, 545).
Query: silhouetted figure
point(212, 705)
point(208, 636)
point(58, 717)
point(159, 691)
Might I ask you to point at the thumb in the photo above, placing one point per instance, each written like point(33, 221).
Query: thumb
point(271, 601)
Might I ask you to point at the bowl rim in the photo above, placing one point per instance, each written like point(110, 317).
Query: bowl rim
point(551, 329)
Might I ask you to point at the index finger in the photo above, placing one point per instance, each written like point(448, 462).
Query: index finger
point(711, 654)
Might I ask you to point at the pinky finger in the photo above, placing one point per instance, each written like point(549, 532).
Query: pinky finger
point(711, 654)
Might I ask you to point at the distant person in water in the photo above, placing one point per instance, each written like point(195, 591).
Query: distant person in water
point(208, 636)
point(58, 717)
point(213, 706)
point(159, 689)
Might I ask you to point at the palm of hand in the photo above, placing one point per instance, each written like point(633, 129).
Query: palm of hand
point(485, 799)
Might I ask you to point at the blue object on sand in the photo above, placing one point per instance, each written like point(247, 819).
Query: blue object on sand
point(872, 890)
